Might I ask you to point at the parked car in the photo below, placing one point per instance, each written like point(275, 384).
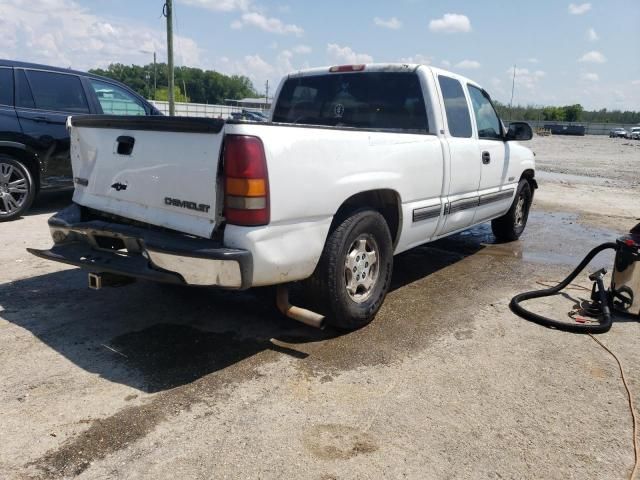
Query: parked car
point(617, 133)
point(634, 133)
point(35, 101)
point(250, 115)
point(357, 163)
point(576, 130)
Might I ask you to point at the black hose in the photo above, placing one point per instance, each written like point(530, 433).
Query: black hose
point(602, 327)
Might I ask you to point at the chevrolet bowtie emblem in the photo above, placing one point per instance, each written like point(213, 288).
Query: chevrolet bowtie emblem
point(119, 186)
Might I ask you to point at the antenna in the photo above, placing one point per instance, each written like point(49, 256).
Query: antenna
point(513, 86)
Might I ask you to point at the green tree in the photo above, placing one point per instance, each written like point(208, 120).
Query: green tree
point(553, 114)
point(201, 86)
point(163, 95)
point(572, 113)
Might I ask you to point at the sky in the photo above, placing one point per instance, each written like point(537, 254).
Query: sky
point(563, 52)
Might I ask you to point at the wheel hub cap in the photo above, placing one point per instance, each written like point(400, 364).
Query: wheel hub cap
point(361, 268)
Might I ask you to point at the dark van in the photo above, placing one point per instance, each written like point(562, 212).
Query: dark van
point(35, 101)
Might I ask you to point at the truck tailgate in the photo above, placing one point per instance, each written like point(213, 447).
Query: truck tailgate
point(157, 170)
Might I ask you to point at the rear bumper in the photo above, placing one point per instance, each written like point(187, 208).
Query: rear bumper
point(102, 246)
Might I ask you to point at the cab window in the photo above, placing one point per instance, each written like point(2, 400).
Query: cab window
point(487, 120)
point(390, 101)
point(455, 106)
point(115, 100)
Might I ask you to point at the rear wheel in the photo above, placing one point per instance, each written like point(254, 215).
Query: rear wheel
point(354, 272)
point(510, 226)
point(17, 189)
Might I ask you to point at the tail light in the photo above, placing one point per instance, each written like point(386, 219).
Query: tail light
point(246, 200)
point(347, 68)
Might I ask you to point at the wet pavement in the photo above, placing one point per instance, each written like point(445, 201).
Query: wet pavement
point(154, 381)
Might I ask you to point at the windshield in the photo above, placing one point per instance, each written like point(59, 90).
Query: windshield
point(384, 101)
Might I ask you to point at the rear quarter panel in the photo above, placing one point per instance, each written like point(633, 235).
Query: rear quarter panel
point(313, 171)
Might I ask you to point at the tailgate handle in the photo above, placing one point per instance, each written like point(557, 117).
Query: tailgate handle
point(125, 145)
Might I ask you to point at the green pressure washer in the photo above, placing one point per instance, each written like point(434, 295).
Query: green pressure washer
point(623, 295)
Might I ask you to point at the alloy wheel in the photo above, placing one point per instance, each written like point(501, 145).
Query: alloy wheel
point(14, 189)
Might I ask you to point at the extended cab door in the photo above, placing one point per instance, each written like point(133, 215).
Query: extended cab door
point(493, 152)
point(464, 163)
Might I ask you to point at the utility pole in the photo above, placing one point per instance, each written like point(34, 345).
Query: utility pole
point(513, 86)
point(168, 12)
point(266, 94)
point(155, 76)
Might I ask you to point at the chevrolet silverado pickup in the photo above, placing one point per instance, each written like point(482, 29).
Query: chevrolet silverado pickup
point(357, 163)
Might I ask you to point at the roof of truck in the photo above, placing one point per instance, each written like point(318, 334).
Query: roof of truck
point(381, 67)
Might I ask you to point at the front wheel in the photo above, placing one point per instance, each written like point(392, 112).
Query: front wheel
point(354, 272)
point(510, 226)
point(17, 189)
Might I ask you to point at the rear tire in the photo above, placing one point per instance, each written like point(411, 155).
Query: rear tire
point(354, 272)
point(17, 188)
point(510, 226)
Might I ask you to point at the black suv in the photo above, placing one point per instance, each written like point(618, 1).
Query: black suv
point(35, 101)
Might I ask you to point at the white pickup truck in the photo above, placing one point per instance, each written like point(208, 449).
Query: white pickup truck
point(357, 163)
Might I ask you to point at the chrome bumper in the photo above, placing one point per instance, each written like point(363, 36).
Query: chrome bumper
point(103, 246)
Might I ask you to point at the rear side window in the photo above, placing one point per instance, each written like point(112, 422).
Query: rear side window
point(24, 98)
point(115, 100)
point(455, 106)
point(380, 101)
point(487, 119)
point(6, 86)
point(57, 91)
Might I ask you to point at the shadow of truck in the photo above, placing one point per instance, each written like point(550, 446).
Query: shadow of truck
point(156, 337)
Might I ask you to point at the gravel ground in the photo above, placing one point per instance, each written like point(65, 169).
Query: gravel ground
point(154, 382)
point(615, 161)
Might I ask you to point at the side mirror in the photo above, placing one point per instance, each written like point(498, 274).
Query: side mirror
point(519, 131)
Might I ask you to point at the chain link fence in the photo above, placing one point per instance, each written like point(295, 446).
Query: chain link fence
point(200, 109)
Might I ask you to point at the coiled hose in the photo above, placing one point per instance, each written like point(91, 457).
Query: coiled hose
point(602, 327)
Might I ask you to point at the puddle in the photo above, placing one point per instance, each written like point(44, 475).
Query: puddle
point(550, 238)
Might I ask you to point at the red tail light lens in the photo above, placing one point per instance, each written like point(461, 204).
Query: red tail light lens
point(347, 68)
point(246, 200)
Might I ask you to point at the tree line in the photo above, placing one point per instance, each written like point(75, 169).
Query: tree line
point(567, 113)
point(192, 84)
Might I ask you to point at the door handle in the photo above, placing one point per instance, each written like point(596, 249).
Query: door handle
point(125, 145)
point(40, 119)
point(486, 158)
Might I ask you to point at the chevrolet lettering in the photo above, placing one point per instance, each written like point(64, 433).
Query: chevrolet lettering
point(176, 202)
